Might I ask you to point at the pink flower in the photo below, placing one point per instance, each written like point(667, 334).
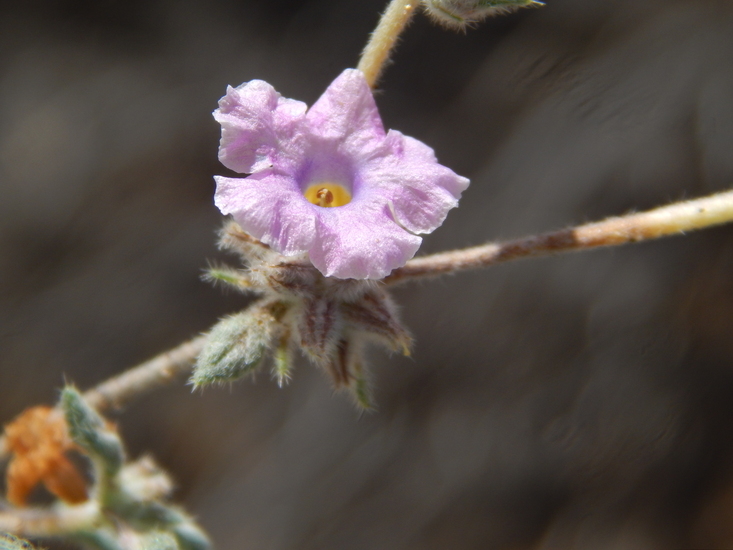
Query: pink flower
point(329, 181)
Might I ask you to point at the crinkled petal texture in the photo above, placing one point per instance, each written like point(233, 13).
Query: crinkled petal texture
point(259, 128)
point(347, 116)
point(285, 221)
point(361, 242)
point(396, 185)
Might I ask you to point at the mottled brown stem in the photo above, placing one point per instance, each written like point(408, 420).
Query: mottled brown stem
point(384, 38)
point(664, 221)
point(145, 377)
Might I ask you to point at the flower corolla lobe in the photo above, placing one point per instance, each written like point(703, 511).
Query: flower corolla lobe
point(394, 184)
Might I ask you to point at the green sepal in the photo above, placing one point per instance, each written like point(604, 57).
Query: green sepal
point(229, 276)
point(87, 429)
point(363, 393)
point(283, 360)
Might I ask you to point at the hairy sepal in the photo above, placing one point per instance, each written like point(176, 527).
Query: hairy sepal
point(236, 345)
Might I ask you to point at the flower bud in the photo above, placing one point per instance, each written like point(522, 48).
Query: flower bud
point(236, 346)
point(459, 14)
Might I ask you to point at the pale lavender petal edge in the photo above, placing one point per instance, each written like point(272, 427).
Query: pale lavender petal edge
point(363, 243)
point(419, 190)
point(257, 126)
point(268, 207)
point(347, 113)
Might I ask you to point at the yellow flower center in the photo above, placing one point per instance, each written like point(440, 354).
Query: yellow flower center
point(327, 194)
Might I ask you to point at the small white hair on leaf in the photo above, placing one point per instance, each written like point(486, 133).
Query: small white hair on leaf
point(459, 14)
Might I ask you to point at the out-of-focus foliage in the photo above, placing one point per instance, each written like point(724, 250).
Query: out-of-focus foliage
point(11, 542)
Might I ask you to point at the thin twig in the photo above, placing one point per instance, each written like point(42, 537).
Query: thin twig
point(156, 372)
point(664, 221)
point(667, 220)
point(114, 392)
point(384, 38)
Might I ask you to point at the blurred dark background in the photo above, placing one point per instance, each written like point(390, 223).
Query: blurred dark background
point(583, 401)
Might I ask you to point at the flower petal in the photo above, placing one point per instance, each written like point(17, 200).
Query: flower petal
point(397, 186)
point(407, 174)
point(259, 127)
point(360, 241)
point(346, 113)
point(269, 207)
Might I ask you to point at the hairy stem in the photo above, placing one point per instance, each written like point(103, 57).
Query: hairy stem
point(384, 38)
point(158, 371)
point(667, 220)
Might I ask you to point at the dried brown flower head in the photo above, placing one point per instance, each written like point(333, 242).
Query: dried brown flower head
point(39, 441)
